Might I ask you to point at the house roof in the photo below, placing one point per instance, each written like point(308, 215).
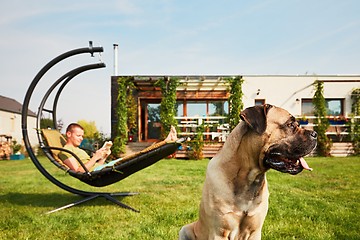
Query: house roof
point(13, 106)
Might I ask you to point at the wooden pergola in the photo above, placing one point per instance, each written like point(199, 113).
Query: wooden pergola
point(191, 88)
point(187, 83)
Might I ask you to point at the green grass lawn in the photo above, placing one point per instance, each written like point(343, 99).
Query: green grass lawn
point(323, 204)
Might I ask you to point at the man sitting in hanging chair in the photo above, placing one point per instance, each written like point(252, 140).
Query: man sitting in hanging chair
point(74, 137)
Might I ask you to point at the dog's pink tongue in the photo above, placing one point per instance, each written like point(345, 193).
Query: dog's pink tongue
point(304, 164)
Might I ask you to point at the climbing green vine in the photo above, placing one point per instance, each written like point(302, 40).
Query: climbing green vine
point(235, 100)
point(321, 122)
point(167, 106)
point(355, 122)
point(125, 115)
point(131, 108)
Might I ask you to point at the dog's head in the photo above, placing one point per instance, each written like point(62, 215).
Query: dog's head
point(284, 142)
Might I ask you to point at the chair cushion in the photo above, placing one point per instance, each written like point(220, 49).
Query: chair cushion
point(54, 139)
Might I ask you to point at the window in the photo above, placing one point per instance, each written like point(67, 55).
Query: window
point(334, 107)
point(204, 108)
point(196, 109)
point(179, 109)
point(307, 107)
point(218, 108)
point(259, 102)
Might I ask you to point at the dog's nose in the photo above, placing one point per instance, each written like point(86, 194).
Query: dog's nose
point(313, 134)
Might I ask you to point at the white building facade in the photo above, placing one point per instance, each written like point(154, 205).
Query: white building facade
point(204, 100)
point(10, 121)
point(294, 93)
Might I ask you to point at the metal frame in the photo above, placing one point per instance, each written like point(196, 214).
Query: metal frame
point(66, 78)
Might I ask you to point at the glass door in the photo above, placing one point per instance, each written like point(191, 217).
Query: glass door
point(153, 128)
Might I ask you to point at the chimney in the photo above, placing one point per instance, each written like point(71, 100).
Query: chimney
point(116, 63)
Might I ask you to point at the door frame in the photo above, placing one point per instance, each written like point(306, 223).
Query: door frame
point(143, 120)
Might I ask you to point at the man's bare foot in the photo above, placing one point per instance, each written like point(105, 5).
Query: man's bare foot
point(172, 136)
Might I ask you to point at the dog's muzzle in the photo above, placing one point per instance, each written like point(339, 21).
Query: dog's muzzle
point(286, 161)
point(286, 165)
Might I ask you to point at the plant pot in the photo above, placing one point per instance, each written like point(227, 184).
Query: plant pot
point(337, 122)
point(303, 122)
point(17, 156)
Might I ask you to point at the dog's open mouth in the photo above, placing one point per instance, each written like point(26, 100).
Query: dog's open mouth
point(286, 165)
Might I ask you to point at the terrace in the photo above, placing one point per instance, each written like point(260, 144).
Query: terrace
point(203, 101)
point(217, 130)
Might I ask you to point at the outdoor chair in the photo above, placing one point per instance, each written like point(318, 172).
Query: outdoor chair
point(111, 174)
point(51, 142)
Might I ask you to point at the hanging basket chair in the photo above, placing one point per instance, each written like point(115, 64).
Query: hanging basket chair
point(51, 141)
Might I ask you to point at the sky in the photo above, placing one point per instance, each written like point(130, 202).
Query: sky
point(170, 37)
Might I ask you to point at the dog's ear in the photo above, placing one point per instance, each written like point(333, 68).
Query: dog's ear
point(255, 117)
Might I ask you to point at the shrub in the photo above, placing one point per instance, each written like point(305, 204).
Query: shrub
point(197, 144)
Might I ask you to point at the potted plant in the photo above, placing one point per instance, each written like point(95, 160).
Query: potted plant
point(337, 120)
point(303, 120)
point(331, 120)
point(340, 120)
point(15, 149)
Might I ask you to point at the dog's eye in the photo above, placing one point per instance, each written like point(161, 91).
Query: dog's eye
point(292, 125)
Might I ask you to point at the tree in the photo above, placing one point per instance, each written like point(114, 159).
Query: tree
point(48, 123)
point(90, 129)
point(60, 124)
point(321, 122)
point(219, 108)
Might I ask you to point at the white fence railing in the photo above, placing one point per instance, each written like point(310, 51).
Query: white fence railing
point(217, 127)
point(339, 126)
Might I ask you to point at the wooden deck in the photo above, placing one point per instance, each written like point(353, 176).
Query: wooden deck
point(339, 149)
point(342, 149)
point(209, 151)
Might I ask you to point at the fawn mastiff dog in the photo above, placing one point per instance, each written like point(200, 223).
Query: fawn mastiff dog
point(235, 195)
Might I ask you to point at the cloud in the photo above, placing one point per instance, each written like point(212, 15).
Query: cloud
point(127, 7)
point(174, 37)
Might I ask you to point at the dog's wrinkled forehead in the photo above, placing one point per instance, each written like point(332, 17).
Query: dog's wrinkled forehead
point(280, 117)
point(258, 117)
point(255, 117)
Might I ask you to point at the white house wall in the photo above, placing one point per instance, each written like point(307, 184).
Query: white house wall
point(283, 91)
point(10, 124)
